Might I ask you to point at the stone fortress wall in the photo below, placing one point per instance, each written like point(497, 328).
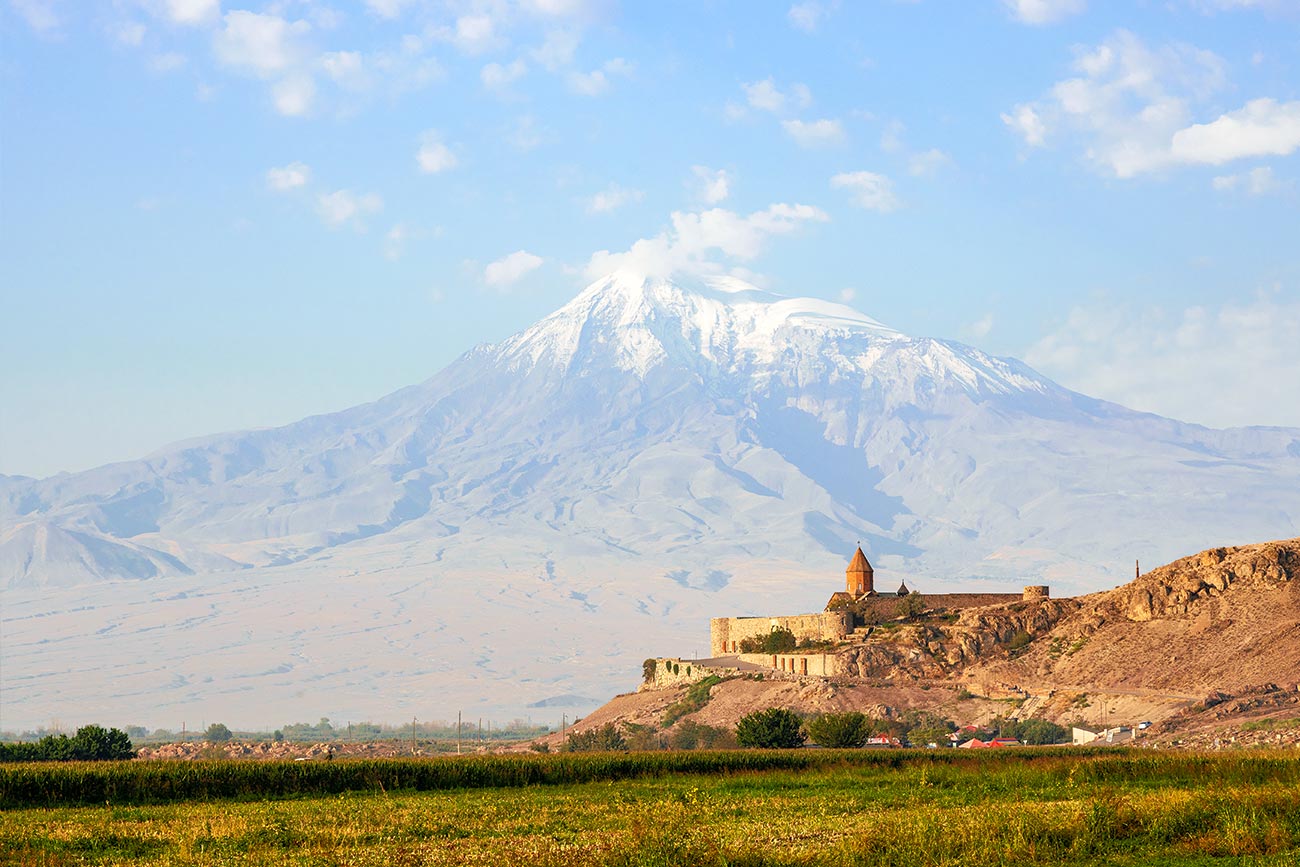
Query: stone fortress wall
point(726, 633)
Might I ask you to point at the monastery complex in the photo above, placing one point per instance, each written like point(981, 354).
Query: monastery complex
point(848, 611)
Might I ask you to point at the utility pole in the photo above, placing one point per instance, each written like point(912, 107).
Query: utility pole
point(412, 735)
point(457, 732)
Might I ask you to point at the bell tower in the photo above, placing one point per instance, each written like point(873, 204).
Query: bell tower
point(859, 578)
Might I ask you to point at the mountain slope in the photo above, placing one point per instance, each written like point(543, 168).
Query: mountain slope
point(649, 455)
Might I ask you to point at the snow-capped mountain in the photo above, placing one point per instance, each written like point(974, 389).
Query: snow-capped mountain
point(591, 490)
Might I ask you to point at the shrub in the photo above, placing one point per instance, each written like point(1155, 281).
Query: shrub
point(911, 606)
point(690, 735)
point(1019, 642)
point(772, 729)
point(648, 670)
point(607, 738)
point(697, 696)
point(840, 729)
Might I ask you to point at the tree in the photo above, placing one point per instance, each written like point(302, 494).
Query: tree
point(648, 669)
point(835, 730)
point(773, 729)
point(217, 733)
point(924, 727)
point(1040, 731)
point(911, 606)
point(96, 743)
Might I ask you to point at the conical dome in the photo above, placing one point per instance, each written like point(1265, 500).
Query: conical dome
point(859, 577)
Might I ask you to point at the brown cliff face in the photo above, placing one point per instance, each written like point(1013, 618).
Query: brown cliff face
point(1226, 618)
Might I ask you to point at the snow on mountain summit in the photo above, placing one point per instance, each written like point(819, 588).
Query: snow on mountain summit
point(637, 321)
point(724, 325)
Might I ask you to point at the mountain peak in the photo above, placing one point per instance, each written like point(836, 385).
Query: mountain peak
point(636, 320)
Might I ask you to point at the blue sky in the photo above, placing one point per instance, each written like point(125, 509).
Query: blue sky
point(218, 215)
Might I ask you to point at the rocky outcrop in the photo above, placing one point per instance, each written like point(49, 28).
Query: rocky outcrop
point(1178, 588)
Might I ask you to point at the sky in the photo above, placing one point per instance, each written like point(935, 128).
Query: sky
point(218, 215)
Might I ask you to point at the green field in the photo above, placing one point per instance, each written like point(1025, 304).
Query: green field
point(808, 807)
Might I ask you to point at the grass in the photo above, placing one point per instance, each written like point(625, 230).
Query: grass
point(1269, 725)
point(831, 808)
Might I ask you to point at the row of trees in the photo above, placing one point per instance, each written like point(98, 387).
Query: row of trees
point(90, 743)
point(779, 728)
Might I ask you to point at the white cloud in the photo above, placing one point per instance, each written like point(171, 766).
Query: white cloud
point(39, 14)
point(695, 240)
point(928, 162)
point(193, 12)
point(342, 207)
point(128, 33)
point(814, 133)
point(612, 198)
point(508, 270)
point(526, 134)
point(168, 61)
point(1263, 127)
point(1024, 119)
point(1256, 182)
point(891, 138)
point(473, 33)
point(596, 82)
point(289, 177)
point(387, 8)
point(1044, 11)
point(395, 241)
point(807, 15)
point(1157, 361)
point(870, 190)
point(847, 294)
point(980, 328)
point(293, 94)
point(766, 96)
point(561, 8)
point(264, 45)
point(715, 185)
point(498, 77)
point(346, 69)
point(434, 156)
point(556, 51)
point(1126, 104)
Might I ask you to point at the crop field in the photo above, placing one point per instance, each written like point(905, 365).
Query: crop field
point(804, 807)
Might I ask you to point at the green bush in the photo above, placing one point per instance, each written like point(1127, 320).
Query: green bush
point(648, 670)
point(836, 730)
point(779, 640)
point(772, 729)
point(697, 696)
point(690, 735)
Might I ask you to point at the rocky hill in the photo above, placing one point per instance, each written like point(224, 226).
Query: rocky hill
point(1203, 646)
